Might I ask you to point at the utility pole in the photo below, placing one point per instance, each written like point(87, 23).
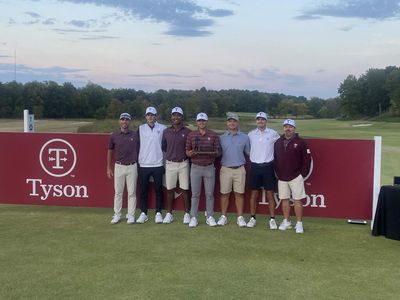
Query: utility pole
point(15, 65)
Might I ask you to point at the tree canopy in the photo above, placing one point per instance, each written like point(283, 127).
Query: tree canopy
point(373, 93)
point(51, 100)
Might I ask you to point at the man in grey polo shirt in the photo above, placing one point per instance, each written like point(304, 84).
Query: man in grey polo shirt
point(124, 144)
point(234, 145)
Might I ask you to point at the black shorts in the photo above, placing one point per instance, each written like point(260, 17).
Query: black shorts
point(263, 176)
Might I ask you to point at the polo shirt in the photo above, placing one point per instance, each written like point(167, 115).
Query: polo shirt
point(150, 152)
point(125, 145)
point(174, 143)
point(207, 142)
point(234, 147)
point(262, 145)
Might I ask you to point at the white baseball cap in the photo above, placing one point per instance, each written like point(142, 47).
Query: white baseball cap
point(151, 110)
point(177, 110)
point(289, 122)
point(125, 115)
point(202, 116)
point(261, 115)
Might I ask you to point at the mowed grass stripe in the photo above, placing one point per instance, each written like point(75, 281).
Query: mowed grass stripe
point(62, 252)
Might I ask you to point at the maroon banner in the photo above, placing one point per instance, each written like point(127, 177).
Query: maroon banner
point(70, 170)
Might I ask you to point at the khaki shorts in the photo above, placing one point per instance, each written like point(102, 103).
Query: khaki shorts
point(232, 179)
point(175, 171)
point(292, 189)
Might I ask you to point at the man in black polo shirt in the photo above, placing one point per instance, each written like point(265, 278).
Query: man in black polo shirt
point(124, 144)
point(177, 163)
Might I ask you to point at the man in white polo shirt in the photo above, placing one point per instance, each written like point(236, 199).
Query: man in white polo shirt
point(151, 163)
point(262, 140)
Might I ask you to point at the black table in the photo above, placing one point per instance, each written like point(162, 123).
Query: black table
point(387, 215)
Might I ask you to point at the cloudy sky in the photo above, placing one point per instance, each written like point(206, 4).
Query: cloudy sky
point(302, 48)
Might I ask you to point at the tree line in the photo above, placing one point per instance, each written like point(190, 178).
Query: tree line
point(373, 93)
point(51, 100)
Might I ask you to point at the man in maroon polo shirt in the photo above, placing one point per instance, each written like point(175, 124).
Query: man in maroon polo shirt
point(177, 163)
point(292, 164)
point(124, 144)
point(202, 146)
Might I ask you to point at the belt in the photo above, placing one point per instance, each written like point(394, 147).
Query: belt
point(124, 164)
point(204, 165)
point(235, 167)
point(178, 160)
point(263, 164)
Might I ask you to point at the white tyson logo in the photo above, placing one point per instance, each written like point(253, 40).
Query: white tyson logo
point(57, 157)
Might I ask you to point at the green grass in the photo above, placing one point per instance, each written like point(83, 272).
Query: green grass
point(74, 253)
point(44, 125)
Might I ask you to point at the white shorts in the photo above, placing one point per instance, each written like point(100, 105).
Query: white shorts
point(175, 171)
point(292, 189)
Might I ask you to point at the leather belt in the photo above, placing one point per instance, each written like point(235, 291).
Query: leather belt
point(235, 167)
point(124, 164)
point(178, 160)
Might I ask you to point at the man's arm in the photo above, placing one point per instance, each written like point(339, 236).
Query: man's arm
point(306, 160)
point(247, 146)
point(164, 142)
point(189, 150)
point(109, 168)
point(217, 146)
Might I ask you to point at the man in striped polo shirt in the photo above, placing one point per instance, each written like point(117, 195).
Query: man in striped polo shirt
point(202, 146)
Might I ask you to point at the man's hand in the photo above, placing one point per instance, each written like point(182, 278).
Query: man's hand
point(109, 173)
point(190, 153)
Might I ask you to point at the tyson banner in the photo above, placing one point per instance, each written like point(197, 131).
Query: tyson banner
point(70, 170)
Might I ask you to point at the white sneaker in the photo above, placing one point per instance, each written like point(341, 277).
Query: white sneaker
point(252, 223)
point(222, 221)
point(142, 218)
point(193, 222)
point(168, 218)
point(211, 221)
point(285, 225)
point(130, 219)
point(272, 224)
point(241, 222)
point(299, 227)
point(115, 219)
point(158, 218)
point(186, 218)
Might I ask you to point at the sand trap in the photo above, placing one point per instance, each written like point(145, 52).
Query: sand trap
point(362, 125)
